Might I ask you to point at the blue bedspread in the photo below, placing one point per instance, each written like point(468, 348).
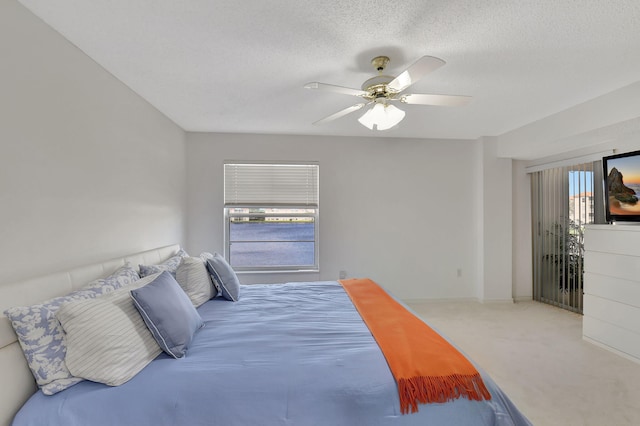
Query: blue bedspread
point(285, 354)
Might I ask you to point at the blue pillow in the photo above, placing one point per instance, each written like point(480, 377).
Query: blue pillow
point(168, 313)
point(224, 277)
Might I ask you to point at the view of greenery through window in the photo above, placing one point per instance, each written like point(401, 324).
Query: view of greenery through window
point(563, 203)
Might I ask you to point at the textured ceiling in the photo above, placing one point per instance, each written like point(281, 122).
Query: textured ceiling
point(240, 66)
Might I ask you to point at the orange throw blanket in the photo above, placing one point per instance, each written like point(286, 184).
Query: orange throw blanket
point(426, 367)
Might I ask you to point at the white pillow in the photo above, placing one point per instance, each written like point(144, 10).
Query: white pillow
point(194, 279)
point(42, 338)
point(107, 340)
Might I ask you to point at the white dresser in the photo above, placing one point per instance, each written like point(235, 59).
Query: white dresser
point(612, 288)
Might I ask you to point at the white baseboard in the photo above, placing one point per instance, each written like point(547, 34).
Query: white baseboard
point(471, 299)
point(610, 349)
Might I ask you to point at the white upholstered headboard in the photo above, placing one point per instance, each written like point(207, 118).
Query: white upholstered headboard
point(16, 381)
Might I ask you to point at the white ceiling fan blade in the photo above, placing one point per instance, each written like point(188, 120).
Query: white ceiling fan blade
point(415, 72)
point(335, 89)
point(440, 100)
point(339, 114)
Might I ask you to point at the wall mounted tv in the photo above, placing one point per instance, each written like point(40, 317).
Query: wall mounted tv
point(622, 187)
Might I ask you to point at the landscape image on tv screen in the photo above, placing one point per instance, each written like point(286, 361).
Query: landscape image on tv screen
point(623, 185)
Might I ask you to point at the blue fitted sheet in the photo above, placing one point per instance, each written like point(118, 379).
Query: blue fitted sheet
point(285, 354)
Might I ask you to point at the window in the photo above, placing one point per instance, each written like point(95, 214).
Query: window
point(271, 216)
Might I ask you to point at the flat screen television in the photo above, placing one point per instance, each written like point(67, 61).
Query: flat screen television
point(622, 187)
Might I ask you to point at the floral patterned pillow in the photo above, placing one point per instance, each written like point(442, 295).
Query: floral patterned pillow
point(169, 265)
point(123, 276)
point(42, 338)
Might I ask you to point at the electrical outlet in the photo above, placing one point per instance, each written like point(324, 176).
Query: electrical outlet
point(342, 275)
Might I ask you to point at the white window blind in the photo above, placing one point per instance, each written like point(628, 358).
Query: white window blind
point(259, 184)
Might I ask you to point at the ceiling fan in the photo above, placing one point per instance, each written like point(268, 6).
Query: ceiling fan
point(381, 91)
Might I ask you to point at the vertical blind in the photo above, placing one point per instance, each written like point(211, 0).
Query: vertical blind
point(564, 199)
point(261, 184)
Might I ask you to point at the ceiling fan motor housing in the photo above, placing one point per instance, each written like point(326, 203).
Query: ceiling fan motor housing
point(378, 86)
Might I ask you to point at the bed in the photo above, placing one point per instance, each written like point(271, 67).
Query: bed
point(283, 354)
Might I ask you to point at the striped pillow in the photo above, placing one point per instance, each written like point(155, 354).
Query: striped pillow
point(107, 340)
point(194, 279)
point(42, 338)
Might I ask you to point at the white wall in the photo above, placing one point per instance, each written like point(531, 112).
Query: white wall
point(609, 122)
point(88, 170)
point(401, 211)
point(522, 251)
point(598, 121)
point(496, 225)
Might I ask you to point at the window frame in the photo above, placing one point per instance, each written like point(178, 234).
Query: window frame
point(315, 215)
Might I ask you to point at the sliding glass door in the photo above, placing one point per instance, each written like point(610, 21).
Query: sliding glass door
point(564, 199)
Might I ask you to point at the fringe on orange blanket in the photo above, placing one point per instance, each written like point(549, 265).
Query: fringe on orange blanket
point(426, 367)
point(428, 389)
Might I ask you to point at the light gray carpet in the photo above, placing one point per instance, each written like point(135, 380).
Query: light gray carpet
point(536, 354)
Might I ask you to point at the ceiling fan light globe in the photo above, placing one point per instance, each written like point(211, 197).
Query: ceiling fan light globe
point(382, 117)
